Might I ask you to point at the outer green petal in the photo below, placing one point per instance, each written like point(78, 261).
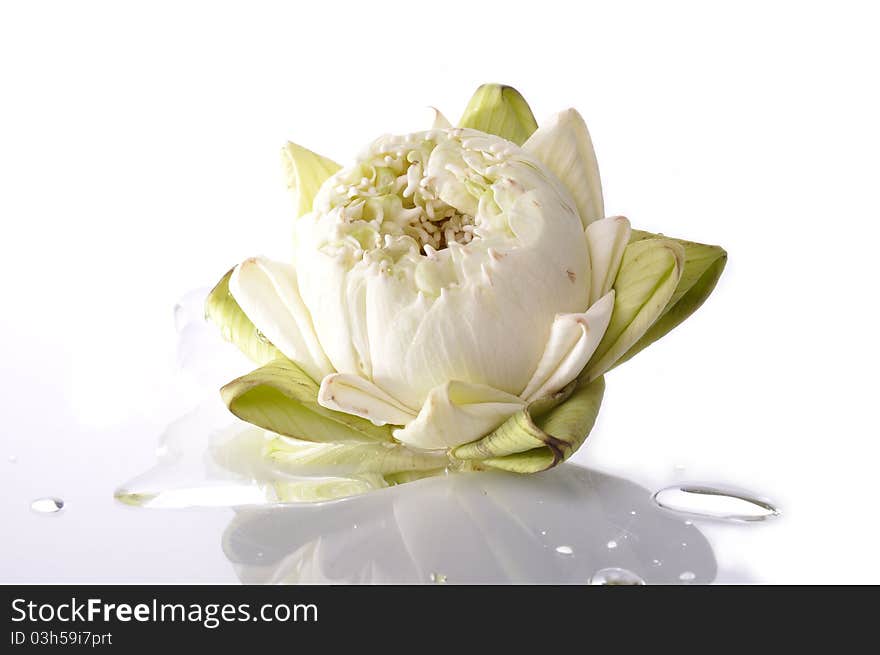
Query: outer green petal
point(500, 110)
point(280, 397)
point(323, 459)
point(703, 265)
point(532, 461)
point(541, 435)
point(648, 276)
point(305, 172)
point(222, 309)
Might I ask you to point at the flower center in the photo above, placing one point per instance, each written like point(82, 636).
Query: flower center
point(392, 190)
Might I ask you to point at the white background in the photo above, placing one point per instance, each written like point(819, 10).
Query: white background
point(139, 159)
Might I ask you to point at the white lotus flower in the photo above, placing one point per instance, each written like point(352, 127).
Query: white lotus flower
point(445, 283)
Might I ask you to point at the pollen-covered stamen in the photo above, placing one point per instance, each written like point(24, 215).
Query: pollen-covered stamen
point(392, 190)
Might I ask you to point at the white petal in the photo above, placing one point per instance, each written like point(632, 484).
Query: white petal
point(355, 395)
point(573, 340)
point(440, 121)
point(606, 240)
point(456, 413)
point(480, 313)
point(268, 294)
point(563, 144)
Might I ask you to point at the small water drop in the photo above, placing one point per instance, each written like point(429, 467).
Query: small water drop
point(543, 532)
point(687, 576)
point(13, 459)
point(611, 544)
point(438, 578)
point(684, 544)
point(615, 576)
point(656, 562)
point(633, 513)
point(47, 505)
point(564, 550)
point(688, 522)
point(715, 502)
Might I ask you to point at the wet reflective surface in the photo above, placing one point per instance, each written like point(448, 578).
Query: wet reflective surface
point(472, 528)
point(218, 513)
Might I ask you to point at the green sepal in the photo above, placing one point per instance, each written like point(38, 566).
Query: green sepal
point(646, 281)
point(703, 265)
point(542, 434)
point(305, 171)
point(281, 398)
point(222, 310)
point(500, 110)
point(297, 457)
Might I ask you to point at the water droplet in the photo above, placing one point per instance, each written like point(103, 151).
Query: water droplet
point(438, 578)
point(543, 532)
point(615, 576)
point(687, 576)
point(688, 522)
point(715, 502)
point(684, 544)
point(13, 459)
point(633, 513)
point(564, 550)
point(656, 562)
point(612, 544)
point(47, 505)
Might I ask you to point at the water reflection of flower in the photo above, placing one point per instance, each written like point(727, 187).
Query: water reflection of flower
point(554, 527)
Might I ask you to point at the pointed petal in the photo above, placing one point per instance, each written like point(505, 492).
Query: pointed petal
point(563, 144)
point(305, 172)
point(456, 413)
point(223, 310)
point(281, 398)
point(355, 395)
point(573, 340)
point(268, 294)
point(542, 434)
point(703, 265)
point(440, 121)
point(500, 110)
point(606, 239)
point(649, 272)
point(323, 459)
